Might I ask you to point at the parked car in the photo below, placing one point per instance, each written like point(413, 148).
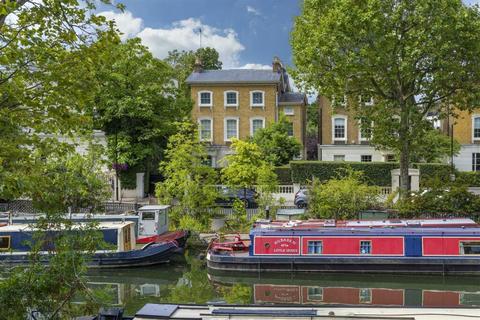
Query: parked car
point(228, 196)
point(301, 198)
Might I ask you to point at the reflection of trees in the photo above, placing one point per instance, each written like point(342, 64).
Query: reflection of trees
point(239, 293)
point(194, 286)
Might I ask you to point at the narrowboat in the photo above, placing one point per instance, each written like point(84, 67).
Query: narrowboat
point(119, 236)
point(151, 223)
point(436, 246)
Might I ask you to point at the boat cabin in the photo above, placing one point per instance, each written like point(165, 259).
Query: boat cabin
point(15, 238)
point(424, 238)
point(153, 220)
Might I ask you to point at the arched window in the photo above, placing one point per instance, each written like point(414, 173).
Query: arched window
point(339, 128)
point(205, 98)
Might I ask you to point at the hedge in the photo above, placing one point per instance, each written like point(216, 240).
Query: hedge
point(284, 174)
point(472, 179)
point(433, 170)
point(376, 173)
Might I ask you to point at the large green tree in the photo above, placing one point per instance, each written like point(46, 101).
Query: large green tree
point(278, 147)
point(136, 104)
point(189, 180)
point(412, 57)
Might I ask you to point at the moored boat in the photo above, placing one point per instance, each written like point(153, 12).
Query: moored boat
point(119, 236)
point(444, 246)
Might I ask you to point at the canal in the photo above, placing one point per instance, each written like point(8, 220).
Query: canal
point(187, 280)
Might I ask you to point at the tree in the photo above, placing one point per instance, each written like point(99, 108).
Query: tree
point(433, 146)
point(46, 81)
point(275, 143)
point(184, 61)
point(411, 57)
point(64, 181)
point(247, 168)
point(341, 197)
point(136, 104)
point(189, 181)
point(311, 141)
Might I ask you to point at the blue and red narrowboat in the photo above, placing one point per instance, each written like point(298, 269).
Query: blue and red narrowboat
point(434, 246)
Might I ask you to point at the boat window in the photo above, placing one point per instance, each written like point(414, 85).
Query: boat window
point(4, 243)
point(469, 247)
point(365, 295)
point(148, 215)
point(365, 247)
point(315, 247)
point(315, 294)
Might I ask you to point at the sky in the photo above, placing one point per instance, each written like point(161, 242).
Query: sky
point(246, 33)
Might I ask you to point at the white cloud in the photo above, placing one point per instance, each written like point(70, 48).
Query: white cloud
point(181, 35)
point(256, 66)
point(126, 23)
point(184, 35)
point(251, 9)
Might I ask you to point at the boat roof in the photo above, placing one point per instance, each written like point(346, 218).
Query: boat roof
point(387, 223)
point(370, 232)
point(31, 227)
point(154, 207)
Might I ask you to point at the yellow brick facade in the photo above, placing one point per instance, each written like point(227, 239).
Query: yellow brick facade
point(463, 127)
point(244, 112)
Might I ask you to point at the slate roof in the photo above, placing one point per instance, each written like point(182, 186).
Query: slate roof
point(291, 97)
point(234, 76)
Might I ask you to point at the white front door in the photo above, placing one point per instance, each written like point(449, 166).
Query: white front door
point(148, 222)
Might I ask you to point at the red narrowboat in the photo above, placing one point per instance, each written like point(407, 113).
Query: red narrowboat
point(450, 246)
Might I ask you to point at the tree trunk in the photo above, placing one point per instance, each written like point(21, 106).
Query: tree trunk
point(404, 151)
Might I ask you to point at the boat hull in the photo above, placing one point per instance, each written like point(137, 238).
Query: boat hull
point(151, 254)
point(347, 264)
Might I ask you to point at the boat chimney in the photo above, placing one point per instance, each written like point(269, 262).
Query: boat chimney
point(10, 218)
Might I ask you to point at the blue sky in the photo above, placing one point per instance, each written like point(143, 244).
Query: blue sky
point(247, 33)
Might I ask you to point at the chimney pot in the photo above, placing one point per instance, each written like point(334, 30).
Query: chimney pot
point(198, 66)
point(277, 65)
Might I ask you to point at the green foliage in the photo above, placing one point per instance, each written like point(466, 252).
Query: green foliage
point(277, 146)
point(375, 173)
point(189, 182)
point(412, 57)
point(433, 147)
point(284, 174)
point(238, 222)
point(429, 171)
point(183, 62)
point(136, 105)
point(313, 118)
point(341, 197)
point(239, 293)
point(439, 196)
point(471, 179)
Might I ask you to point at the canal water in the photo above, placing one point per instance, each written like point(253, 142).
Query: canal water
point(187, 280)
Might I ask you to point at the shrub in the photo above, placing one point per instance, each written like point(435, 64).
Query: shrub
point(373, 173)
point(341, 197)
point(471, 179)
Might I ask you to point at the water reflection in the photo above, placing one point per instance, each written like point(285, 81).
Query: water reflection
point(189, 281)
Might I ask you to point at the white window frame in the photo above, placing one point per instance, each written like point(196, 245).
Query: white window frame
point(251, 123)
point(339, 116)
point(252, 105)
point(366, 155)
point(226, 104)
point(289, 113)
point(475, 116)
point(200, 104)
point(225, 128)
point(360, 137)
point(367, 104)
point(341, 104)
point(338, 155)
point(200, 128)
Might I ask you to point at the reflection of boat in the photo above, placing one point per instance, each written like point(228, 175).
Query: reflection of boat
point(370, 290)
point(433, 246)
point(15, 249)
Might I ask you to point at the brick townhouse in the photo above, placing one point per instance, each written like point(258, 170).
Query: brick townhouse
point(235, 103)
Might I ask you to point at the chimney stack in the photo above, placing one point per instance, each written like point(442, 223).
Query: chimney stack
point(277, 65)
point(198, 66)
